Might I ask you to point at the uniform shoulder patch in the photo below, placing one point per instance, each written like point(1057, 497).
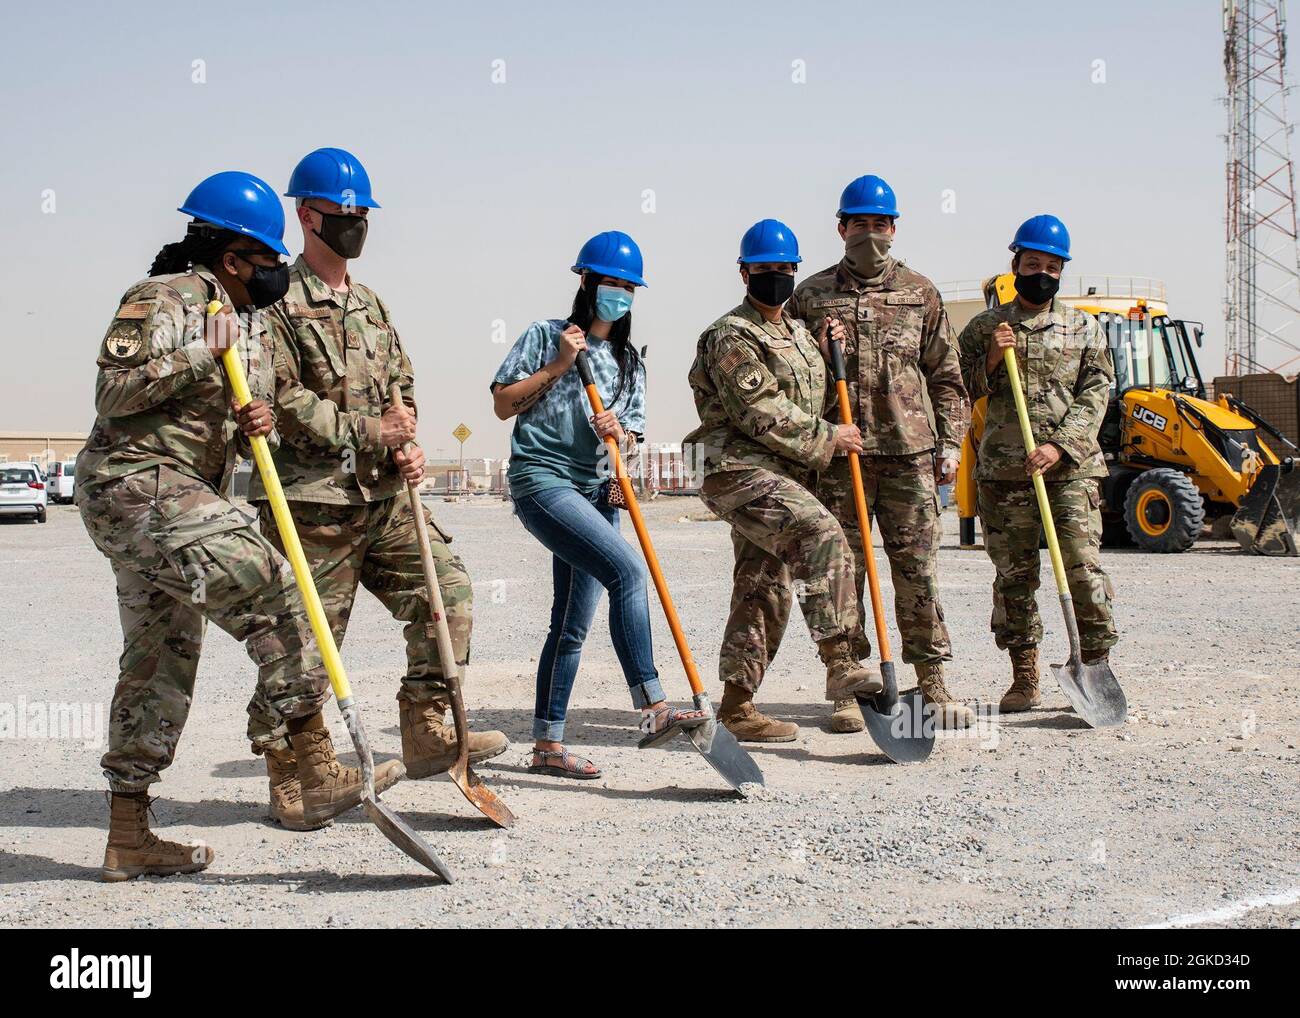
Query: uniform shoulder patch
point(731, 357)
point(748, 377)
point(137, 310)
point(123, 342)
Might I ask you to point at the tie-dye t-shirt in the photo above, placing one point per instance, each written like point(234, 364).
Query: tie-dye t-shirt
point(553, 444)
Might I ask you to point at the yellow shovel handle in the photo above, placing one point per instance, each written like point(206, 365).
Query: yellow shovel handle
point(1040, 489)
point(288, 532)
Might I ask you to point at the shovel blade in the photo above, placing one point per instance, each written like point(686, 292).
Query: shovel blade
point(404, 836)
point(1093, 691)
point(906, 734)
point(900, 726)
point(480, 796)
point(725, 755)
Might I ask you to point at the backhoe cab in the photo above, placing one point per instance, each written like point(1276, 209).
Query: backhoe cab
point(1176, 459)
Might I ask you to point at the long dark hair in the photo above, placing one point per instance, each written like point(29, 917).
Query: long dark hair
point(620, 332)
point(203, 245)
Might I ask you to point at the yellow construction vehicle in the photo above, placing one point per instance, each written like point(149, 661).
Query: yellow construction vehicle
point(1177, 460)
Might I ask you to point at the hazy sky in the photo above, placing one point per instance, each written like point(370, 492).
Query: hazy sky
point(488, 188)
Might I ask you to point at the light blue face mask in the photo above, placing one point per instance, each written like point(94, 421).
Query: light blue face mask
point(612, 303)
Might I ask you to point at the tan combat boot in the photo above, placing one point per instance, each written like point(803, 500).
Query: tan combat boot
point(286, 791)
point(948, 712)
point(847, 716)
point(429, 746)
point(743, 720)
point(845, 675)
point(1023, 693)
point(329, 788)
point(134, 850)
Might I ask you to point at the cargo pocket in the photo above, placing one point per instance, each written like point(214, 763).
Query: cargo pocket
point(221, 557)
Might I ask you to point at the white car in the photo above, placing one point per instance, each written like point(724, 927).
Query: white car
point(60, 480)
point(22, 492)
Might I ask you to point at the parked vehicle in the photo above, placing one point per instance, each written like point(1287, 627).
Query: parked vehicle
point(60, 480)
point(22, 492)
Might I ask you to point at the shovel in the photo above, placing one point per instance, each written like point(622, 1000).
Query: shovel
point(1092, 689)
point(482, 797)
point(899, 727)
point(718, 745)
point(394, 828)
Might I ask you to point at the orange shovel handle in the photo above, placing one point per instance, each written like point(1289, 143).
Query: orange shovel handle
point(642, 534)
point(860, 502)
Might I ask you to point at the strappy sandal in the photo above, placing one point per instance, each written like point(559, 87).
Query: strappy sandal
point(662, 724)
point(570, 766)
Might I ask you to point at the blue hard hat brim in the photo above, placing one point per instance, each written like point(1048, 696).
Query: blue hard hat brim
point(605, 270)
point(782, 257)
point(869, 210)
point(367, 203)
point(1028, 245)
point(274, 243)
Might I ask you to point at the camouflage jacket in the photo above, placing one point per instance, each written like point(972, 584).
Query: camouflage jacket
point(760, 390)
point(898, 350)
point(336, 355)
point(160, 397)
point(1066, 373)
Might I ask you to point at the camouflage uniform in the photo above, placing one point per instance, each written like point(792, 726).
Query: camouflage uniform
point(760, 389)
point(336, 356)
point(1066, 374)
point(163, 445)
point(898, 352)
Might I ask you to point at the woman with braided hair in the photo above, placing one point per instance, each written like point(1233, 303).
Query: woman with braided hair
point(150, 484)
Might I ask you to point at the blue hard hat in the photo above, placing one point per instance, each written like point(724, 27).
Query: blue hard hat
point(768, 240)
point(333, 174)
point(1043, 233)
point(242, 203)
point(613, 253)
point(868, 196)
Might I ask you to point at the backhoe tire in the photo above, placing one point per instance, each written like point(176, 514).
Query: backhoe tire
point(1163, 511)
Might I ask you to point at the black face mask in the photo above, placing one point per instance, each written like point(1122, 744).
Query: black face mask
point(771, 288)
point(345, 235)
point(1037, 287)
point(266, 285)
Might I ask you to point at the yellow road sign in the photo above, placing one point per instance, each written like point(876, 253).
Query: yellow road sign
point(461, 433)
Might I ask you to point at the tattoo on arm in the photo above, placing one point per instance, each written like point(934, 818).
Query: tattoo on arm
point(525, 401)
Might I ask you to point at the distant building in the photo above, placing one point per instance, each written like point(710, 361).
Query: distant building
point(478, 474)
point(43, 447)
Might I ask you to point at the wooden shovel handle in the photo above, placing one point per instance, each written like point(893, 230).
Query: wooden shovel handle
point(437, 612)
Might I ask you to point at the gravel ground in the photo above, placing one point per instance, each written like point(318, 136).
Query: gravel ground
point(1188, 813)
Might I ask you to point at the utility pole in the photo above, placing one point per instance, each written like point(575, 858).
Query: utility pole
point(1262, 297)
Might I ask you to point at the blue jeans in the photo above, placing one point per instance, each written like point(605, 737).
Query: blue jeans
point(581, 532)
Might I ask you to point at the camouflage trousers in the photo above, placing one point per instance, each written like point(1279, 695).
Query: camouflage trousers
point(374, 545)
point(182, 555)
point(1012, 526)
point(785, 542)
point(904, 506)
